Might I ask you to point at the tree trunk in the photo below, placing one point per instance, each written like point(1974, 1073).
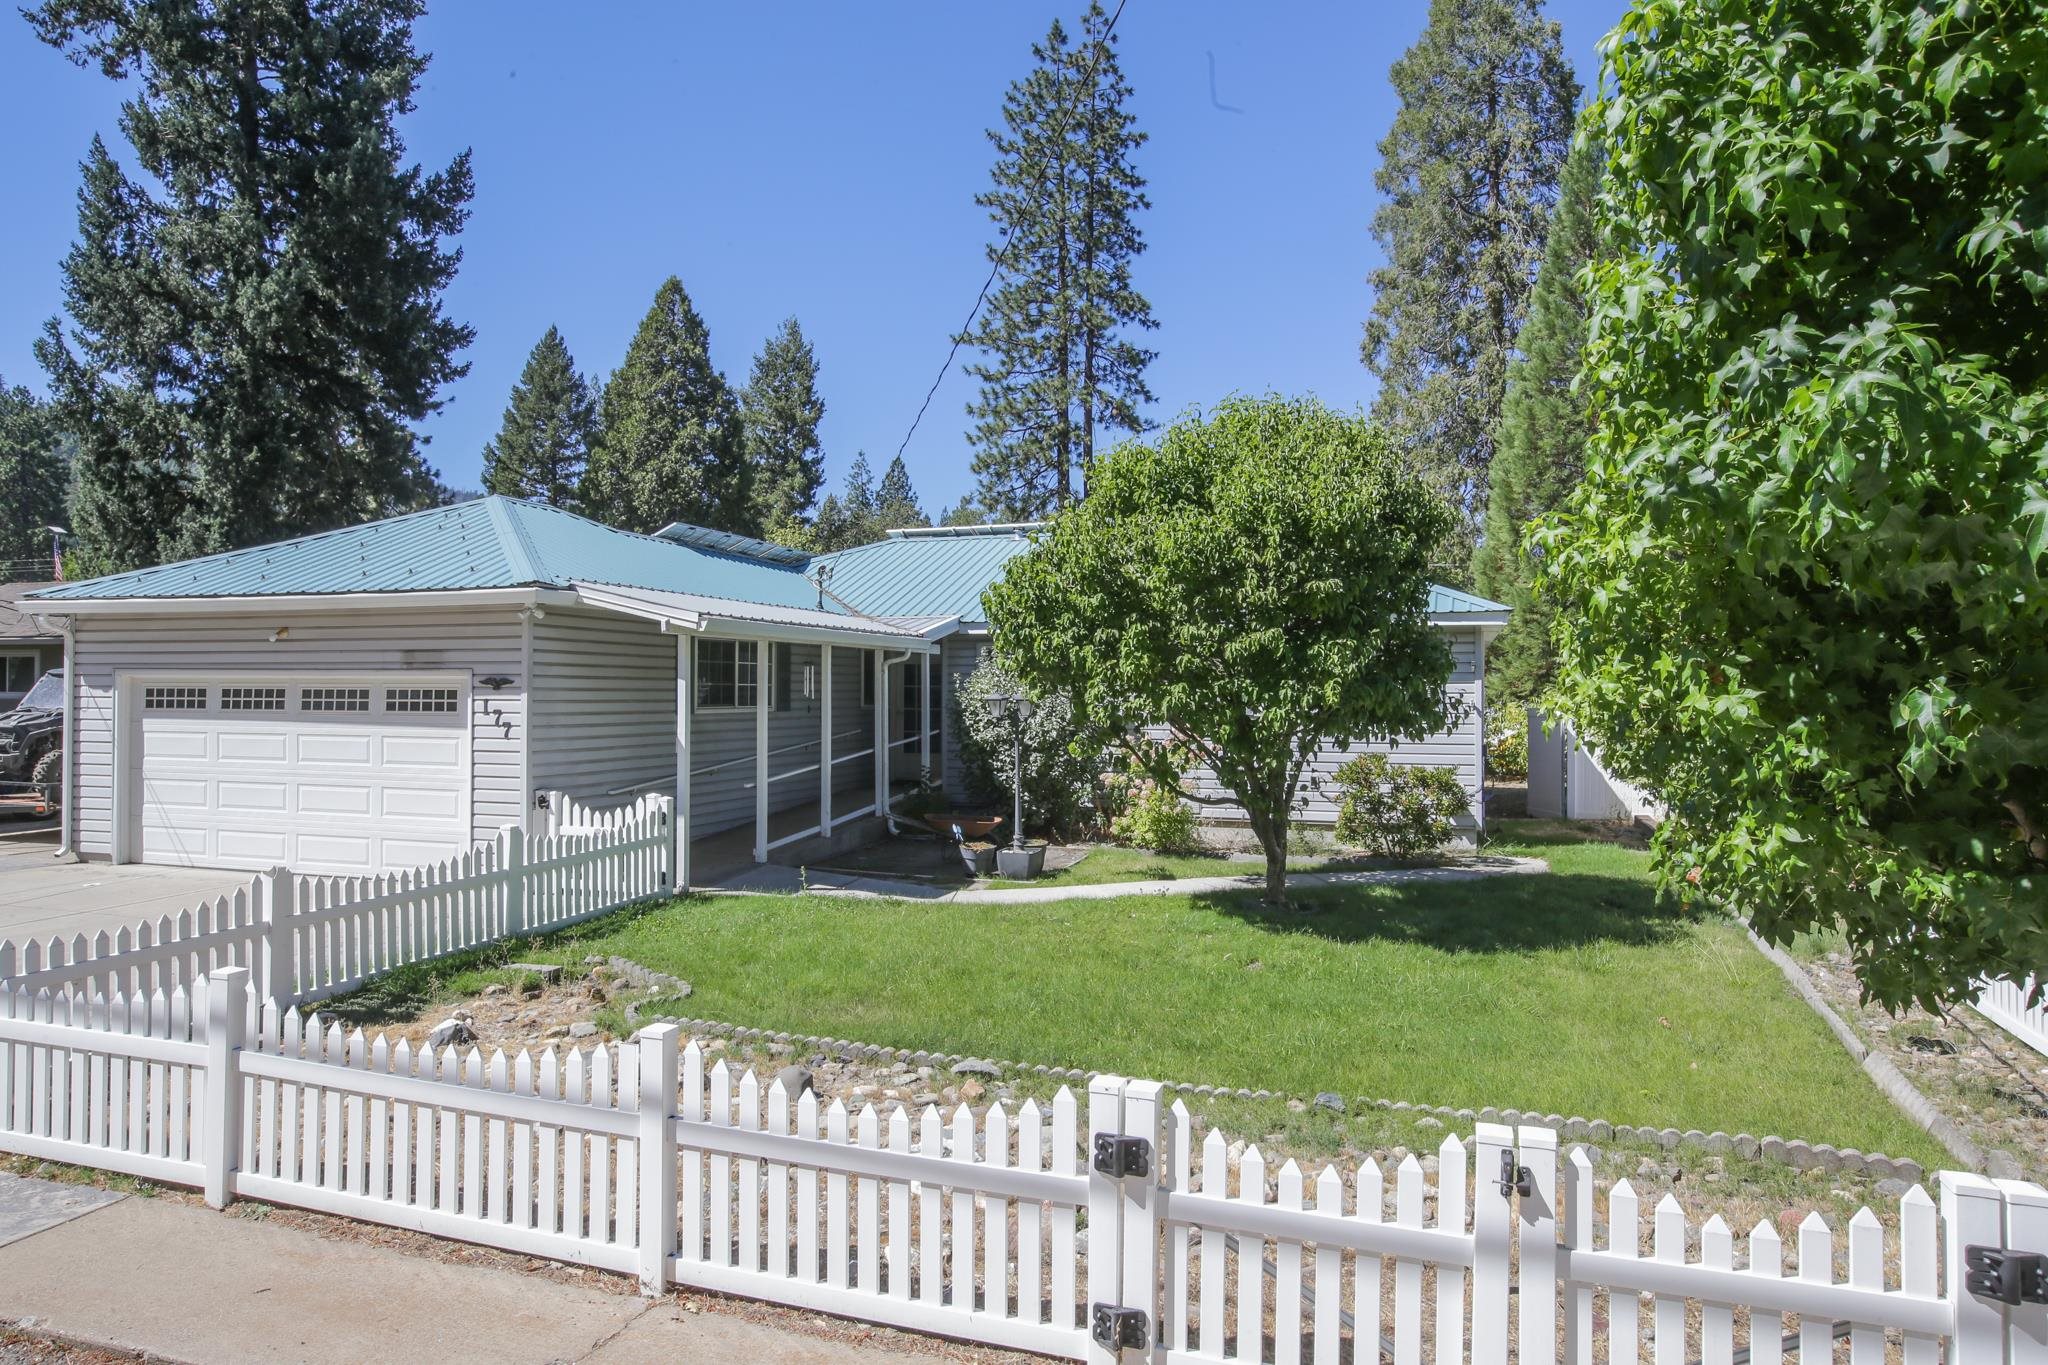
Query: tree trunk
point(1271, 830)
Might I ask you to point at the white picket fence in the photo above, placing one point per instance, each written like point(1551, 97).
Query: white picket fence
point(2015, 1008)
point(308, 938)
point(1098, 1237)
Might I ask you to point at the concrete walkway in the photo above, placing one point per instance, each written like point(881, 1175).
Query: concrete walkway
point(174, 1281)
point(769, 879)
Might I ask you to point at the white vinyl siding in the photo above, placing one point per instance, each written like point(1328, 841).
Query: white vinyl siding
point(237, 651)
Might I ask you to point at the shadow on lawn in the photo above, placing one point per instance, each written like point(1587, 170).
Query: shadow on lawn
point(1513, 914)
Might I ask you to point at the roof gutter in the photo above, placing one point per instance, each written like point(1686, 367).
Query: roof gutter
point(1469, 618)
point(303, 601)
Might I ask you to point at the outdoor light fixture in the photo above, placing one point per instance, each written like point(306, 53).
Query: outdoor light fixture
point(1016, 708)
point(280, 633)
point(495, 682)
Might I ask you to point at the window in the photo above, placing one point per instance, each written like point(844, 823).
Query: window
point(419, 699)
point(728, 674)
point(867, 677)
point(334, 699)
point(252, 699)
point(174, 699)
point(17, 672)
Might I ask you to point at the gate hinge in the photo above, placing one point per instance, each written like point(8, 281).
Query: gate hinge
point(2012, 1277)
point(1118, 1329)
point(1117, 1157)
point(1515, 1179)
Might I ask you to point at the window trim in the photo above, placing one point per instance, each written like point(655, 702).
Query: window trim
point(760, 685)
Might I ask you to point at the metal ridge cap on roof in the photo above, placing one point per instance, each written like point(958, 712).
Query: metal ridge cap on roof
point(993, 528)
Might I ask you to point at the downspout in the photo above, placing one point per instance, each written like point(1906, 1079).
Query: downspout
point(881, 695)
point(67, 823)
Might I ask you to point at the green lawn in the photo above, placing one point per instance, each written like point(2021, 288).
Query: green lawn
point(1571, 993)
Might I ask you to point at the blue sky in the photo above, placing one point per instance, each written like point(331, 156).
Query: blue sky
point(822, 160)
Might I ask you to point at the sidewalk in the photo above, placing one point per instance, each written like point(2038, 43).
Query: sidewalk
point(774, 879)
point(170, 1279)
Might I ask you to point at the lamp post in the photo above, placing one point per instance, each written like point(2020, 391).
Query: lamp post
point(1015, 708)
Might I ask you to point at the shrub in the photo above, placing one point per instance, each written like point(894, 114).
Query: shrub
point(1507, 742)
point(1060, 765)
point(1396, 809)
point(1157, 819)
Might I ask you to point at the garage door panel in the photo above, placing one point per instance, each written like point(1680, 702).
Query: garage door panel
point(357, 751)
point(422, 803)
point(325, 777)
point(254, 745)
point(420, 751)
point(172, 743)
point(265, 798)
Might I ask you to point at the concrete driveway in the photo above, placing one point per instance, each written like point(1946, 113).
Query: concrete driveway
point(42, 897)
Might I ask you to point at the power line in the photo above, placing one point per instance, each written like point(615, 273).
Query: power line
point(1002, 254)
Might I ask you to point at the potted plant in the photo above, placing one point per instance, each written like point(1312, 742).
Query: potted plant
point(979, 857)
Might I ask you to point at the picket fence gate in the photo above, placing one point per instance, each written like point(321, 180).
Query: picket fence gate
point(1102, 1234)
point(311, 937)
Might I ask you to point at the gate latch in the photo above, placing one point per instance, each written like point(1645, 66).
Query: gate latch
point(1118, 1329)
point(2012, 1277)
point(1118, 1157)
point(1515, 1179)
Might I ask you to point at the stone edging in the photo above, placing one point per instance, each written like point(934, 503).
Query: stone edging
point(1876, 1065)
point(1799, 1155)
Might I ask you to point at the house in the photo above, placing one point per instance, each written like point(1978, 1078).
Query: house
point(29, 646)
point(386, 695)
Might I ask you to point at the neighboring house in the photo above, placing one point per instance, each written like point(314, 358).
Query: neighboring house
point(28, 647)
point(377, 697)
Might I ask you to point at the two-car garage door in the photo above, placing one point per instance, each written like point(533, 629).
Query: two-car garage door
point(349, 775)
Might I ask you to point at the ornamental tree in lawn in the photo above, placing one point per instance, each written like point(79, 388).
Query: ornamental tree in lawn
point(1800, 586)
point(1253, 586)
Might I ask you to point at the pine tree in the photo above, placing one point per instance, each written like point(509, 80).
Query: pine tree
point(862, 511)
point(256, 320)
point(966, 512)
point(1056, 331)
point(896, 502)
point(1544, 430)
point(544, 440)
point(671, 446)
point(782, 410)
point(1468, 172)
point(34, 477)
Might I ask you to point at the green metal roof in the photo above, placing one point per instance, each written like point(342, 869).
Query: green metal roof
point(492, 542)
point(911, 575)
point(1450, 602)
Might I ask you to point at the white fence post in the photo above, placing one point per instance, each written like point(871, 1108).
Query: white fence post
point(1493, 1159)
point(1536, 1240)
point(512, 867)
point(1144, 1117)
point(657, 1154)
point(2026, 1229)
point(1972, 1214)
point(227, 1015)
point(279, 963)
point(1105, 1226)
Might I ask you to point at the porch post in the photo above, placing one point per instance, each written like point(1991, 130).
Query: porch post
point(924, 728)
point(763, 654)
point(881, 732)
point(682, 816)
point(825, 740)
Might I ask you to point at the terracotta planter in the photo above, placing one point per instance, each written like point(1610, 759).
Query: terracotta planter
point(971, 826)
point(979, 859)
point(1020, 864)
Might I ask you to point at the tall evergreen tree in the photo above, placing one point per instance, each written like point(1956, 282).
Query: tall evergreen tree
point(1060, 364)
point(896, 502)
point(34, 478)
point(256, 319)
point(782, 410)
point(671, 445)
point(1544, 430)
point(544, 440)
point(1469, 172)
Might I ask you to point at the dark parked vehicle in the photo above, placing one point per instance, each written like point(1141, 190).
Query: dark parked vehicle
point(32, 741)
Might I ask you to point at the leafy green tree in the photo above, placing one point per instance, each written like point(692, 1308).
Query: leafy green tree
point(782, 410)
point(544, 440)
point(1194, 590)
point(1800, 586)
point(256, 317)
point(1545, 426)
point(1468, 171)
point(671, 446)
point(1060, 364)
point(35, 475)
